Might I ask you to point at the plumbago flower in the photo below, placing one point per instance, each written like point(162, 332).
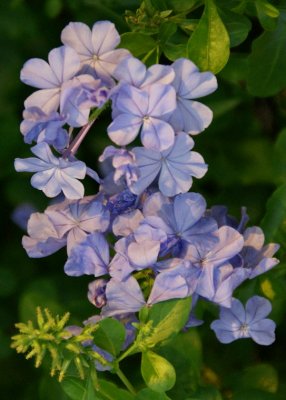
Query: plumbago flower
point(142, 237)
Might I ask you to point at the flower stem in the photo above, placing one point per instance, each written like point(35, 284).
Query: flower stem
point(124, 380)
point(74, 145)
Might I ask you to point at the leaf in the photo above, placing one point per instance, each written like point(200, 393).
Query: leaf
point(174, 51)
point(238, 26)
point(148, 394)
point(182, 5)
point(110, 391)
point(167, 29)
point(267, 61)
point(168, 317)
point(275, 215)
point(267, 14)
point(77, 389)
point(208, 47)
point(185, 354)
point(137, 43)
point(158, 374)
point(110, 335)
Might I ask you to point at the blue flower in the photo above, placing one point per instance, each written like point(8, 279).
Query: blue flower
point(134, 72)
point(41, 127)
point(53, 175)
point(174, 168)
point(64, 64)
point(238, 323)
point(66, 223)
point(89, 257)
point(182, 219)
point(191, 116)
point(95, 47)
point(146, 110)
point(257, 257)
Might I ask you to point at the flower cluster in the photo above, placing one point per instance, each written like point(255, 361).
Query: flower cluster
point(143, 237)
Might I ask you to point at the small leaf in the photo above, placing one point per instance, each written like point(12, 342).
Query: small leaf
point(137, 43)
point(182, 5)
point(275, 216)
point(148, 394)
point(158, 374)
point(110, 335)
point(238, 26)
point(168, 317)
point(167, 29)
point(77, 389)
point(109, 391)
point(267, 61)
point(208, 47)
point(267, 14)
point(174, 51)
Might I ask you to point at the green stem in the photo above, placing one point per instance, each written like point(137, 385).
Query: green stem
point(124, 380)
point(130, 350)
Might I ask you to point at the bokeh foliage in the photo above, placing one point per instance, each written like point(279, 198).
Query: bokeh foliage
point(244, 147)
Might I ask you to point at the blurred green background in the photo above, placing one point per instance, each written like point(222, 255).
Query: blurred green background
point(245, 165)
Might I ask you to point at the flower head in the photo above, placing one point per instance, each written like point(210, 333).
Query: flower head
point(238, 323)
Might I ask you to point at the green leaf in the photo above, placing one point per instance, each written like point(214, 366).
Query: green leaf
point(167, 29)
point(110, 391)
point(158, 374)
point(137, 43)
point(168, 317)
point(267, 61)
point(182, 5)
point(185, 353)
point(110, 335)
point(208, 47)
point(238, 26)
point(275, 216)
point(174, 51)
point(267, 14)
point(148, 394)
point(77, 389)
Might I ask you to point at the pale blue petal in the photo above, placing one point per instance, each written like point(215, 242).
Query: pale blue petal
point(38, 249)
point(143, 254)
point(157, 134)
point(162, 100)
point(256, 309)
point(46, 99)
point(223, 332)
point(64, 62)
point(78, 36)
point(158, 73)
point(91, 257)
point(130, 70)
point(123, 297)
point(39, 74)
point(263, 332)
point(230, 243)
point(104, 37)
point(124, 129)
